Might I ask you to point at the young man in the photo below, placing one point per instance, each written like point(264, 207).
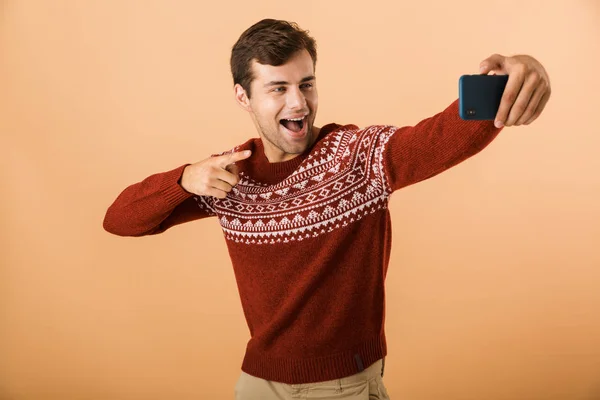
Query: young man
point(304, 212)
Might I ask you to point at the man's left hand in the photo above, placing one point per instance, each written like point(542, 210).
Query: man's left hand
point(527, 90)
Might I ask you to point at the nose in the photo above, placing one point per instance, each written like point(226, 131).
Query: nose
point(295, 99)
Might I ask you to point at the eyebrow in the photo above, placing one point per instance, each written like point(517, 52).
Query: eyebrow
point(277, 83)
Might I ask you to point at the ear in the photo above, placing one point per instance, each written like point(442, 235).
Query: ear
point(241, 97)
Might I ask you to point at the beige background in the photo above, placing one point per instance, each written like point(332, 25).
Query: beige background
point(493, 288)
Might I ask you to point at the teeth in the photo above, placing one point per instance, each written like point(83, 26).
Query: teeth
point(295, 119)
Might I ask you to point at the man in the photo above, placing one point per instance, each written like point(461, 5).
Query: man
point(304, 212)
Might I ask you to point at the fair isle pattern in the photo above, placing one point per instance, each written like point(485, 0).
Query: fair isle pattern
point(340, 181)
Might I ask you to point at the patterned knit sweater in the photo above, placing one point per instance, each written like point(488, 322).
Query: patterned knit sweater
point(309, 238)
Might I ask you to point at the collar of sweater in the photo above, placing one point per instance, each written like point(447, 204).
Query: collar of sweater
point(271, 173)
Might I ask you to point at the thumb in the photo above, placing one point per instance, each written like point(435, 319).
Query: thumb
point(494, 62)
point(234, 169)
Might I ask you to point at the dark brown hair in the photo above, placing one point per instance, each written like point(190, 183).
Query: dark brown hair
point(269, 42)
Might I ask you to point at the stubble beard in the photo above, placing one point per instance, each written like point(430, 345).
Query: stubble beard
point(277, 139)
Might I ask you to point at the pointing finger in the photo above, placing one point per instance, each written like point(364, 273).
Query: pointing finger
point(231, 158)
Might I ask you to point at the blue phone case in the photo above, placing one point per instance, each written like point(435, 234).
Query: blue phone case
point(479, 96)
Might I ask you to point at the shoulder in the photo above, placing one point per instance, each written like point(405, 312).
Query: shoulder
point(351, 133)
point(349, 138)
point(335, 128)
point(250, 144)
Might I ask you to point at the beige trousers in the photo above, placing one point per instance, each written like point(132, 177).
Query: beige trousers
point(365, 385)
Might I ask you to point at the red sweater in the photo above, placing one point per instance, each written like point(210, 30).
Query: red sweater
point(309, 238)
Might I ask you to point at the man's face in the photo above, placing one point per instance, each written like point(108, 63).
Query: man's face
point(283, 106)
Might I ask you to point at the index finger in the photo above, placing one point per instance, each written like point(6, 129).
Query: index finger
point(231, 158)
point(511, 92)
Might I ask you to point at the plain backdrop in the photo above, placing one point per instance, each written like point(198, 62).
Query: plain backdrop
point(493, 290)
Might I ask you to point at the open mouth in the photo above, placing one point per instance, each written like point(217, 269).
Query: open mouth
point(294, 125)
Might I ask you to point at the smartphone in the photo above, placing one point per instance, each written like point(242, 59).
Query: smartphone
point(479, 96)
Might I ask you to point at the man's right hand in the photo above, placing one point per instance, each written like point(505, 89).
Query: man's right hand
point(215, 176)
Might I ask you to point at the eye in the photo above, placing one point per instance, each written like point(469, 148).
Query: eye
point(277, 89)
point(307, 85)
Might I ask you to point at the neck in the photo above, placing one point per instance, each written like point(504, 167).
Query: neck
point(275, 155)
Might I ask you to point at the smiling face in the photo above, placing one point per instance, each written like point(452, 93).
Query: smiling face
point(283, 105)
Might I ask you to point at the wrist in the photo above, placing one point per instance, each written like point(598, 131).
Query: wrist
point(182, 181)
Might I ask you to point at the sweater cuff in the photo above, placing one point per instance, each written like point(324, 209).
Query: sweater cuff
point(173, 192)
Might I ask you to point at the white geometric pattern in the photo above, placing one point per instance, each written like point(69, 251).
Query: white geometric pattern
point(340, 182)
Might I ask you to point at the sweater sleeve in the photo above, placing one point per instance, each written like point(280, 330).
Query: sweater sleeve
point(155, 204)
point(412, 154)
